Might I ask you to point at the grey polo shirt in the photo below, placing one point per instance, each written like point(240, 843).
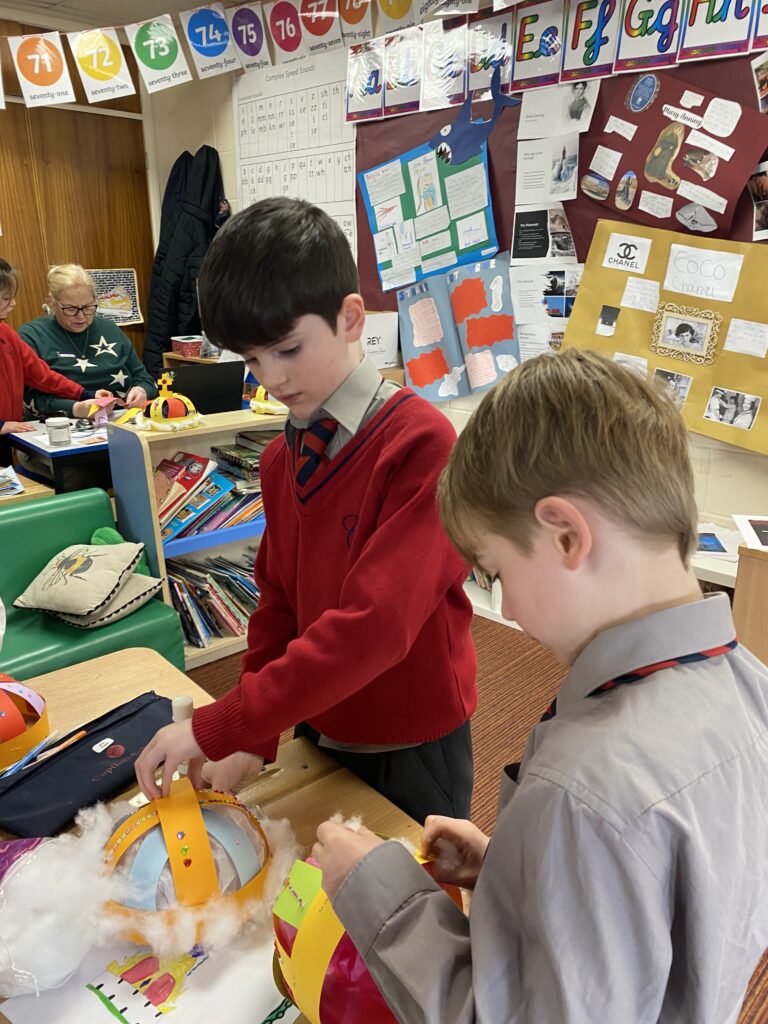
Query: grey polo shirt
point(353, 404)
point(627, 878)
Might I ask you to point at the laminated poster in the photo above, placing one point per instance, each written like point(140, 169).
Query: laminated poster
point(590, 39)
point(489, 46)
point(321, 26)
point(158, 53)
point(286, 31)
point(403, 57)
point(210, 40)
point(246, 23)
point(672, 155)
point(41, 69)
point(690, 313)
point(428, 215)
point(365, 81)
point(717, 30)
point(444, 73)
point(538, 44)
point(650, 36)
point(100, 64)
point(356, 21)
point(393, 15)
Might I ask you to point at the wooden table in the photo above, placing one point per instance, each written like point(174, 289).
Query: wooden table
point(305, 785)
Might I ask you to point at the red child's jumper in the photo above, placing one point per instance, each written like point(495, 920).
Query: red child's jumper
point(363, 628)
point(22, 367)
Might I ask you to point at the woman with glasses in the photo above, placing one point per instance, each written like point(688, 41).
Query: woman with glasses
point(87, 348)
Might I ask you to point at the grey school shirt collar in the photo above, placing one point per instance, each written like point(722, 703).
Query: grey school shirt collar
point(658, 637)
point(347, 405)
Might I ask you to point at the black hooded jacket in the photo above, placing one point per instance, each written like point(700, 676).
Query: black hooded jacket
point(193, 208)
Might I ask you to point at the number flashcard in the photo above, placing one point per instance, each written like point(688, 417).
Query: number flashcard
point(158, 53)
point(356, 21)
point(42, 70)
point(320, 25)
point(247, 27)
point(100, 64)
point(210, 40)
point(285, 28)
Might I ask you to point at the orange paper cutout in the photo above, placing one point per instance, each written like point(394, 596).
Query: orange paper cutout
point(468, 299)
point(427, 368)
point(487, 330)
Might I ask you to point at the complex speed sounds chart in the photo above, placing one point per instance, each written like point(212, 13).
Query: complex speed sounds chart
point(292, 139)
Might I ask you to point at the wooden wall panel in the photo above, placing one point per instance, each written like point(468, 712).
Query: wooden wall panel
point(73, 188)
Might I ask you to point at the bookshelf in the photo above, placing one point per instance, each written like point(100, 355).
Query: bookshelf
point(133, 454)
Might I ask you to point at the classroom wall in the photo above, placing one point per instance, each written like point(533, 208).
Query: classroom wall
point(728, 479)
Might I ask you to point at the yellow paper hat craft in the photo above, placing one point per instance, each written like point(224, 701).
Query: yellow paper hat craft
point(169, 411)
point(185, 850)
point(23, 720)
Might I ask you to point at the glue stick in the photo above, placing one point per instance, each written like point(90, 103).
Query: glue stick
point(181, 710)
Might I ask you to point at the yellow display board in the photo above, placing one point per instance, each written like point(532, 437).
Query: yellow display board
point(690, 312)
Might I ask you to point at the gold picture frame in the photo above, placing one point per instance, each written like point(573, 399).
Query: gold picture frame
point(686, 333)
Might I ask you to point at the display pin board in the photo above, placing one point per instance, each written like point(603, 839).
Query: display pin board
point(427, 214)
point(689, 313)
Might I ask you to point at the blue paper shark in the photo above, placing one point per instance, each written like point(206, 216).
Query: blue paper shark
point(456, 143)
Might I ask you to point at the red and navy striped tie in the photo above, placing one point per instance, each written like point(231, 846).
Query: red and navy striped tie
point(640, 674)
point(312, 444)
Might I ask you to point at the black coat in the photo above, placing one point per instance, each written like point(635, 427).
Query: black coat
point(193, 207)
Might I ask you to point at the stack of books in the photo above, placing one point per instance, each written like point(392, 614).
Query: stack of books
point(9, 482)
point(214, 598)
point(242, 458)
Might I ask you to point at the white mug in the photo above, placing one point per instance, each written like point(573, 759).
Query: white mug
point(58, 430)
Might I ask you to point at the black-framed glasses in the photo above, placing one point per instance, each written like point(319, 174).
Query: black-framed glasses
point(88, 310)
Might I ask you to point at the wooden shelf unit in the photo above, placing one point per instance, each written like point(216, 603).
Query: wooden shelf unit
point(133, 455)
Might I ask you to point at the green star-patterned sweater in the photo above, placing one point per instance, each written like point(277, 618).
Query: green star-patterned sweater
point(99, 357)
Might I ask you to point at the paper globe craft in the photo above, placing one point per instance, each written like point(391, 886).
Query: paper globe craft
point(316, 965)
point(185, 850)
point(169, 411)
point(23, 720)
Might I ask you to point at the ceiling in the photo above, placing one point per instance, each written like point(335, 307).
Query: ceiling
point(51, 13)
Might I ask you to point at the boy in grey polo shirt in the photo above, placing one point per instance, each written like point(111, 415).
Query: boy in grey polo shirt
point(627, 878)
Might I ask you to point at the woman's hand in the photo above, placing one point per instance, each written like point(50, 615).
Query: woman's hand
point(14, 427)
point(136, 398)
point(82, 410)
point(458, 848)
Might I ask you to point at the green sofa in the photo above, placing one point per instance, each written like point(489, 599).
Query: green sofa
point(31, 533)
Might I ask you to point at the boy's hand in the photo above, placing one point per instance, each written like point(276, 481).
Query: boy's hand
point(13, 427)
point(230, 775)
point(458, 848)
point(339, 849)
point(169, 746)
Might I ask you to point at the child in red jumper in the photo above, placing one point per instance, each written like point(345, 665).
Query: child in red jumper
point(362, 634)
point(20, 367)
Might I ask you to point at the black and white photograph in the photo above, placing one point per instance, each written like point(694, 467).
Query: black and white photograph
point(678, 384)
point(565, 161)
point(683, 332)
point(732, 408)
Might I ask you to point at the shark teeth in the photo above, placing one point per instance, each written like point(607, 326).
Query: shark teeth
point(444, 152)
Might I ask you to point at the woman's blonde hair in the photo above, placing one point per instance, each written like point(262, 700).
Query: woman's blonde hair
point(68, 275)
point(575, 423)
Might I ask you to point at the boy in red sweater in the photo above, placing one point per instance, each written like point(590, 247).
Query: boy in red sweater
point(362, 634)
point(20, 367)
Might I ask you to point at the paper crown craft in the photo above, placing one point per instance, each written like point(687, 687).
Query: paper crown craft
point(187, 849)
point(316, 964)
point(169, 411)
point(23, 720)
point(261, 402)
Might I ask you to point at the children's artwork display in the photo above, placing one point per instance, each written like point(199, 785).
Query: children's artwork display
point(690, 313)
point(428, 214)
point(293, 140)
point(457, 331)
point(673, 155)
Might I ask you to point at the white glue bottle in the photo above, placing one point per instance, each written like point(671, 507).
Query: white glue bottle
point(181, 710)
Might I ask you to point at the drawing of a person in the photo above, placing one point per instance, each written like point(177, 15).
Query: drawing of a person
point(427, 192)
point(658, 165)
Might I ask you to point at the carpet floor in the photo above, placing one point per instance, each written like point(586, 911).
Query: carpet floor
point(517, 679)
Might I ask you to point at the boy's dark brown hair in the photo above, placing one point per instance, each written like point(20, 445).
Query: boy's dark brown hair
point(575, 424)
point(271, 264)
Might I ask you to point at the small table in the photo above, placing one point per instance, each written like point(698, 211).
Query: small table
point(305, 785)
point(91, 448)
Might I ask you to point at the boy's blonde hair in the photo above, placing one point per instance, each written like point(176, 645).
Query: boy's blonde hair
point(571, 424)
point(68, 275)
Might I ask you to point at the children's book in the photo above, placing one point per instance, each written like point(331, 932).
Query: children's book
point(9, 482)
point(188, 473)
point(256, 440)
point(212, 488)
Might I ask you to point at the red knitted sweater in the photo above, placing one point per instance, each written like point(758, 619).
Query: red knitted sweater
point(363, 628)
point(21, 367)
